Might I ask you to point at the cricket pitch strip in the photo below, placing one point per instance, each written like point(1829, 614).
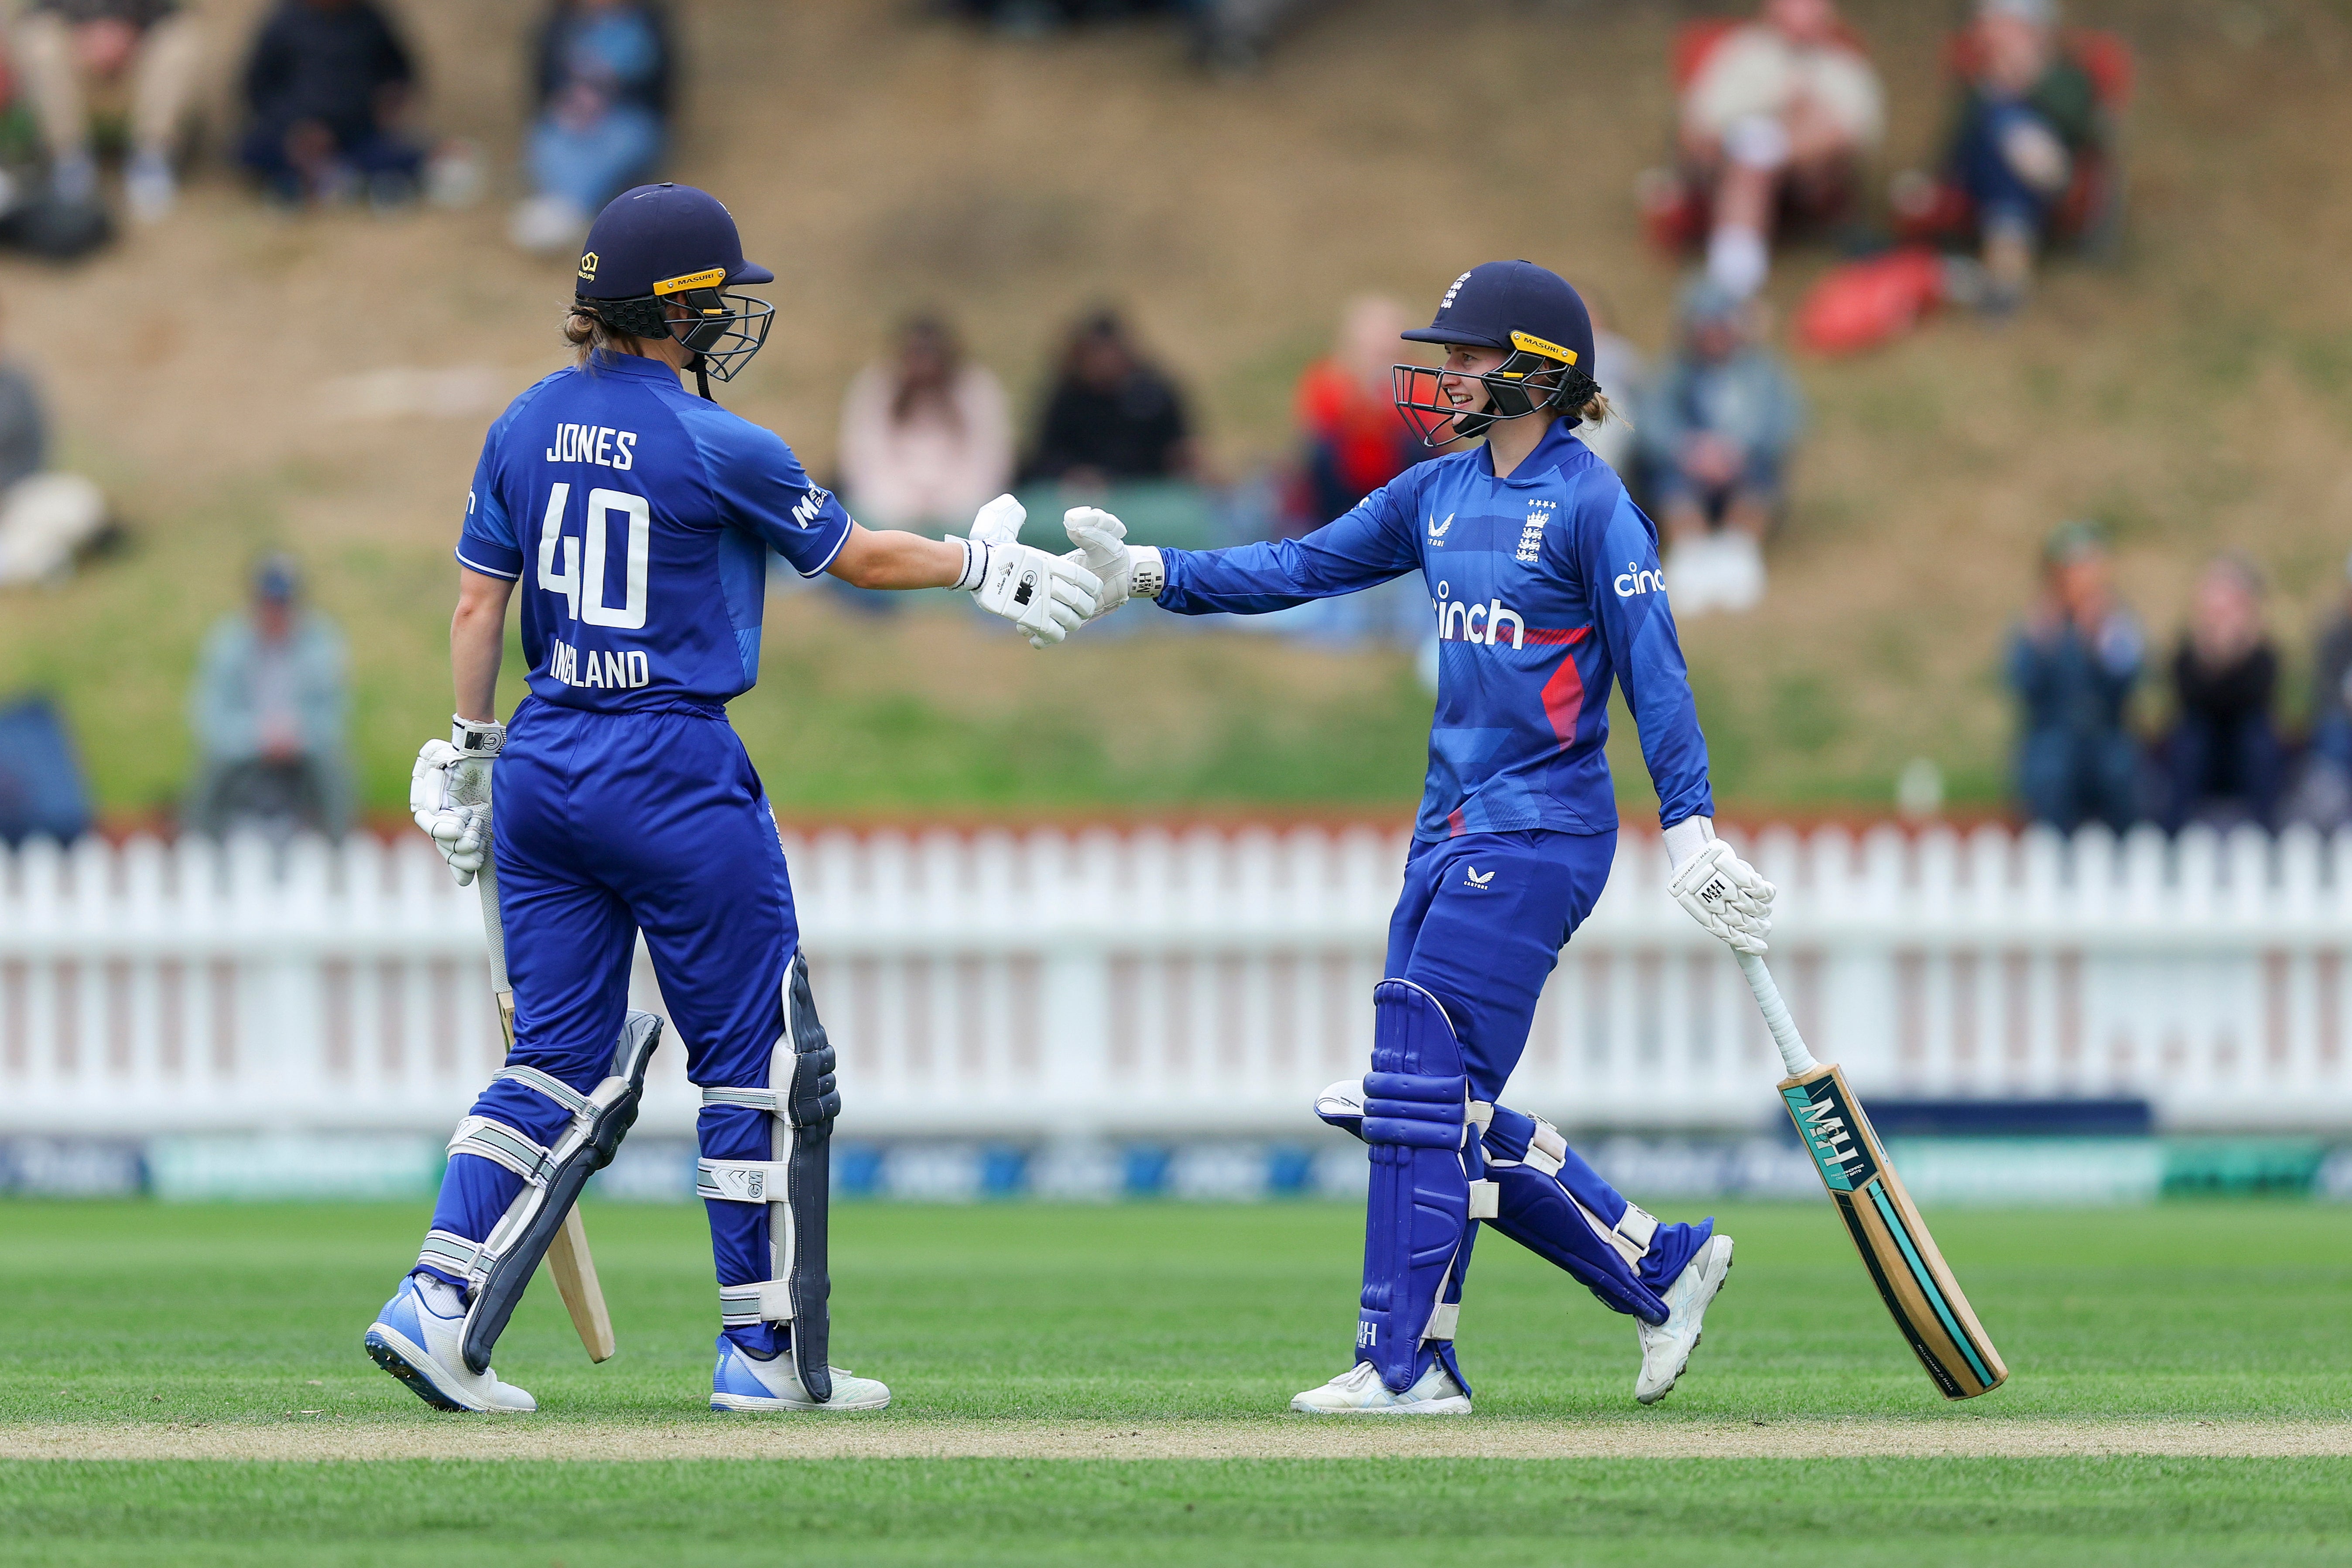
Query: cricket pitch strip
point(889, 1436)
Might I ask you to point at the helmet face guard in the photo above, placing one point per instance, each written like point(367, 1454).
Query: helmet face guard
point(1536, 375)
point(722, 330)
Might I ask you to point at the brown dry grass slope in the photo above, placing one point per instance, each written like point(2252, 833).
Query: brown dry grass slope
point(2194, 396)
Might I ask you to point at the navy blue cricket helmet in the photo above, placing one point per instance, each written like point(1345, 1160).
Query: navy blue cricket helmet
point(658, 245)
point(1528, 310)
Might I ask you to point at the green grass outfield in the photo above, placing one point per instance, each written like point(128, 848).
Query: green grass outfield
point(146, 1320)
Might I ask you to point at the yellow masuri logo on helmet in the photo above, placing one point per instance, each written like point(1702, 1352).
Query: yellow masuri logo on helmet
point(588, 266)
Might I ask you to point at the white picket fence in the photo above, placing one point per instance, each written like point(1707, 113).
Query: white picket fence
point(1051, 984)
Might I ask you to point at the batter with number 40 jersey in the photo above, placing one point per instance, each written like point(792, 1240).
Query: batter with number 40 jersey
point(635, 520)
point(1544, 581)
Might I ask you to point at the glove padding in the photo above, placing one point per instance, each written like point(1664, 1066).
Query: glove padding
point(1726, 895)
point(462, 833)
point(1047, 596)
point(1101, 541)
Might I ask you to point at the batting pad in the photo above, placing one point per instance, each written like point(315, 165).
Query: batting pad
point(496, 1269)
point(1417, 1224)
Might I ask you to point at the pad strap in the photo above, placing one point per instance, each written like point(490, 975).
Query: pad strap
point(766, 1100)
point(742, 1181)
point(579, 1106)
point(447, 1252)
point(502, 1145)
point(763, 1302)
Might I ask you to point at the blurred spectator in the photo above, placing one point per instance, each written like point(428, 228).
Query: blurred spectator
point(148, 51)
point(1355, 443)
point(45, 517)
point(1777, 114)
point(2224, 759)
point(925, 438)
point(1029, 17)
point(604, 77)
point(1111, 415)
point(1715, 437)
point(2029, 110)
point(328, 87)
point(42, 790)
point(1624, 374)
point(268, 711)
point(2073, 665)
point(2323, 795)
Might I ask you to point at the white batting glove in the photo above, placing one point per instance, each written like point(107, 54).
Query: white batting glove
point(1047, 596)
point(1128, 570)
point(1726, 895)
point(450, 795)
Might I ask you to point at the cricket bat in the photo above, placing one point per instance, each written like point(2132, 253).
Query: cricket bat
point(1910, 1273)
point(568, 1262)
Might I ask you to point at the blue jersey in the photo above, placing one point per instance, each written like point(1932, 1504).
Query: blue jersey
point(1545, 588)
point(638, 518)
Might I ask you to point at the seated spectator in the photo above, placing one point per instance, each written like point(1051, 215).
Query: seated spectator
point(926, 439)
point(2074, 664)
point(2028, 111)
point(1776, 117)
point(328, 87)
point(2224, 759)
point(1715, 435)
point(268, 711)
point(1111, 415)
point(45, 517)
point(1355, 442)
point(147, 50)
point(1624, 374)
point(604, 104)
point(42, 790)
point(2323, 795)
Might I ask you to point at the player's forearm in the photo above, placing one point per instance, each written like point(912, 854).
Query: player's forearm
point(888, 558)
point(477, 635)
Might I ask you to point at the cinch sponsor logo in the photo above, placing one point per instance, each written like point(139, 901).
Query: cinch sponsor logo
point(1826, 1123)
point(1634, 581)
point(625, 671)
point(1458, 622)
point(593, 444)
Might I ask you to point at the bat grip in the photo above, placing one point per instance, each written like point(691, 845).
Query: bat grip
point(1793, 1054)
point(494, 933)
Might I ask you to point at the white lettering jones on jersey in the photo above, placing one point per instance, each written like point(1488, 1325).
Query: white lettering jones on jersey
point(598, 444)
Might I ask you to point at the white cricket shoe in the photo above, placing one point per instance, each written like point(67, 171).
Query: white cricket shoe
point(1666, 1349)
point(1359, 1391)
point(741, 1381)
point(425, 1349)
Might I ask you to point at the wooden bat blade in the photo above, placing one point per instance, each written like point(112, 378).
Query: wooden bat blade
point(574, 1272)
point(1904, 1261)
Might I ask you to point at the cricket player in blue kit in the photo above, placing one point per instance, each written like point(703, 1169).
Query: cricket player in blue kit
point(637, 519)
point(1544, 581)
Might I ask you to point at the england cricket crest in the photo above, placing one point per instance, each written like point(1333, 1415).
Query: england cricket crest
point(1531, 532)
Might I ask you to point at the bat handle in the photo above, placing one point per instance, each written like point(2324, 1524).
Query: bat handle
point(1793, 1054)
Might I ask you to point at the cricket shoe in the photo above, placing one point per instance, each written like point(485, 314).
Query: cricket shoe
point(1666, 1349)
point(425, 1349)
point(1359, 1391)
point(743, 1382)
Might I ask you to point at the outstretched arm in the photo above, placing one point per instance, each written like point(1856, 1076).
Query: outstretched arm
point(886, 558)
point(1371, 545)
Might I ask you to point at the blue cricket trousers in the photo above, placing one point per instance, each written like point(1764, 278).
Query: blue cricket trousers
point(606, 825)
